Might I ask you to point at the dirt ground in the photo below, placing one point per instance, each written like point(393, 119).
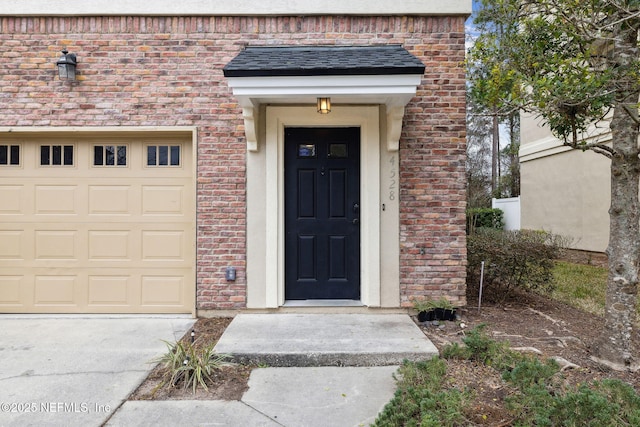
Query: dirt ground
point(530, 322)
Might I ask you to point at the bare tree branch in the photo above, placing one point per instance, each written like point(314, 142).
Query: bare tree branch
point(632, 113)
point(605, 150)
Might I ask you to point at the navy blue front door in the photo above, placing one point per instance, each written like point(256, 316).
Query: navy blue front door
point(322, 213)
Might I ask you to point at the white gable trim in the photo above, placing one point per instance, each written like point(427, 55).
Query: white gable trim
point(233, 8)
point(393, 91)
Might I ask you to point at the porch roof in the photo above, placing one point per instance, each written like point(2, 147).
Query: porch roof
point(296, 75)
point(267, 61)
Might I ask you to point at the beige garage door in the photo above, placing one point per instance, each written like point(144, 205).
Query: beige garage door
point(92, 225)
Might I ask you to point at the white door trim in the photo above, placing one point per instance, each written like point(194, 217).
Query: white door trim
point(367, 118)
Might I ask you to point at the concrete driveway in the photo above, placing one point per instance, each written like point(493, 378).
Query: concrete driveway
point(76, 370)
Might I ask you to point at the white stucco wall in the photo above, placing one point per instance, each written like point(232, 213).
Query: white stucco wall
point(564, 191)
point(235, 7)
point(568, 194)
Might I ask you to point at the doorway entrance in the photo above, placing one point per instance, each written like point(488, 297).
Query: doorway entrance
point(322, 213)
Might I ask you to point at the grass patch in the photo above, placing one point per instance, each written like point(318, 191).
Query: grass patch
point(581, 286)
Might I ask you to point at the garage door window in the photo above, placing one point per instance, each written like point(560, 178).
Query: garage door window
point(9, 155)
point(163, 155)
point(56, 155)
point(109, 155)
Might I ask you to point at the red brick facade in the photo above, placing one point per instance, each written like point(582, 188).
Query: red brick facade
point(157, 71)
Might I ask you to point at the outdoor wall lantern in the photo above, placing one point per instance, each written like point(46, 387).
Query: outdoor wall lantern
point(67, 66)
point(324, 105)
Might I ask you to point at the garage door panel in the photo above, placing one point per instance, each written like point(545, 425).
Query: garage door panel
point(56, 199)
point(162, 290)
point(109, 245)
point(58, 244)
point(11, 244)
point(110, 290)
point(55, 290)
point(163, 245)
point(162, 200)
point(11, 290)
point(110, 200)
point(97, 239)
point(11, 196)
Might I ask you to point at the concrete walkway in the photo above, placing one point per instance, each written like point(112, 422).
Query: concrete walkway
point(77, 371)
point(291, 397)
point(325, 339)
point(339, 372)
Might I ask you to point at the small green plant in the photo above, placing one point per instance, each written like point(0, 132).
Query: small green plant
point(189, 365)
point(456, 351)
point(530, 372)
point(479, 347)
point(428, 304)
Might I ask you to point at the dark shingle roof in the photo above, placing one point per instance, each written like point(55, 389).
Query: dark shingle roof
point(323, 61)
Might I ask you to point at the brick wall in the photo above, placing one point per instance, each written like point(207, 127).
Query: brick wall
point(157, 71)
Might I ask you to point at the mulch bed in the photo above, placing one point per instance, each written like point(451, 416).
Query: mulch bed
point(230, 382)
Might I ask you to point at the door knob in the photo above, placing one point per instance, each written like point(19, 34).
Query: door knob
point(356, 221)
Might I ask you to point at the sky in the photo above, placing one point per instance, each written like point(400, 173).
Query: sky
point(471, 34)
point(470, 29)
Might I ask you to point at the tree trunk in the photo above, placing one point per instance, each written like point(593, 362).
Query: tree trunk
point(514, 163)
point(495, 156)
point(615, 347)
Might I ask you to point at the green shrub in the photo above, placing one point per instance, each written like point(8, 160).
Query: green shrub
point(484, 218)
point(190, 366)
point(625, 397)
point(478, 346)
point(585, 407)
point(530, 372)
point(455, 351)
point(512, 259)
point(607, 403)
point(420, 400)
point(531, 407)
point(541, 398)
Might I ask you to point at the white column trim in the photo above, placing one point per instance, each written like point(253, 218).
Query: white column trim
point(394, 126)
point(250, 117)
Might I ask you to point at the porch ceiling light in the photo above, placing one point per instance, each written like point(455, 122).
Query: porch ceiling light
point(324, 105)
point(67, 66)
